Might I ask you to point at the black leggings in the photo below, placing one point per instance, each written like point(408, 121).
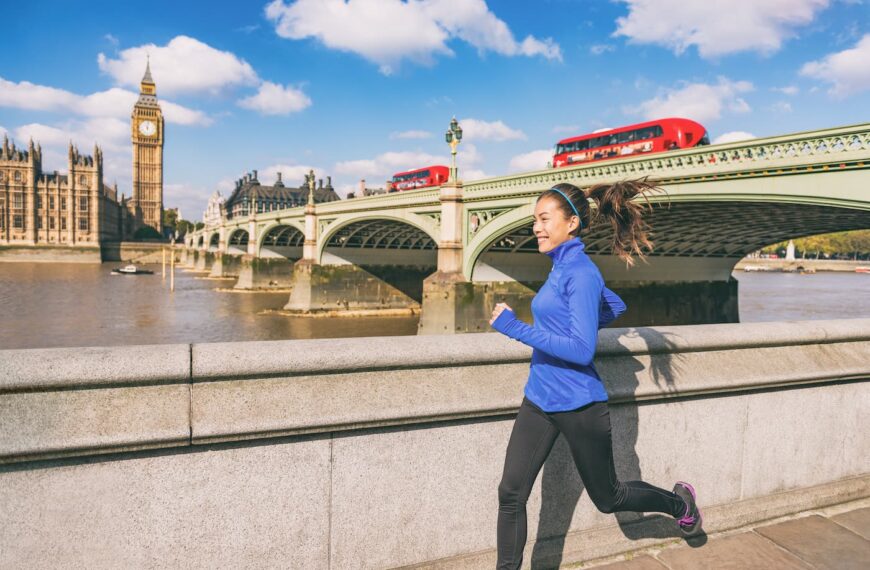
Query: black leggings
point(587, 431)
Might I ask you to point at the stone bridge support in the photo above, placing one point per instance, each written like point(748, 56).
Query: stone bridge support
point(450, 303)
point(204, 261)
point(226, 265)
point(264, 272)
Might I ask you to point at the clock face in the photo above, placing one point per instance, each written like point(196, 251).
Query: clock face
point(147, 128)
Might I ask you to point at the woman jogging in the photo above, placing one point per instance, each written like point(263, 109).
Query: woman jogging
point(564, 393)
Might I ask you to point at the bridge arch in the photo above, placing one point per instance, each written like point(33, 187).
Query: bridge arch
point(694, 235)
point(200, 240)
point(379, 231)
point(237, 242)
point(281, 241)
point(214, 241)
point(494, 231)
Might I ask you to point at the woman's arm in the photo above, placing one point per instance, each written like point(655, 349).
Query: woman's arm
point(584, 304)
point(611, 307)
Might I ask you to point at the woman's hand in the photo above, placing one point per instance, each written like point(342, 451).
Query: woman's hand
point(499, 307)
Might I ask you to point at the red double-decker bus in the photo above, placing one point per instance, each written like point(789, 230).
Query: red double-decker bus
point(420, 178)
point(642, 138)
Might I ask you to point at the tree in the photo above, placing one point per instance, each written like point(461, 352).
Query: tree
point(856, 242)
point(147, 232)
point(170, 217)
point(183, 227)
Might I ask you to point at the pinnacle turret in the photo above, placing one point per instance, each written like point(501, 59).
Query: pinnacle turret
point(147, 77)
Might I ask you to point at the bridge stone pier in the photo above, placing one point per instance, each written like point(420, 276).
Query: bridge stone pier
point(376, 453)
point(452, 252)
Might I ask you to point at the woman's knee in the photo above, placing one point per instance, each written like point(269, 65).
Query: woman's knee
point(606, 505)
point(511, 493)
point(606, 502)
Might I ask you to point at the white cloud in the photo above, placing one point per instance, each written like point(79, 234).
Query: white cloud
point(534, 160)
point(790, 90)
point(411, 135)
point(191, 199)
point(848, 71)
point(475, 129)
point(185, 64)
point(382, 167)
point(26, 95)
point(716, 27)
point(110, 133)
point(781, 107)
point(698, 101)
point(599, 49)
point(385, 165)
point(292, 175)
point(387, 32)
point(114, 102)
point(274, 99)
point(733, 136)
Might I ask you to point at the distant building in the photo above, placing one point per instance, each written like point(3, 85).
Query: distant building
point(250, 195)
point(70, 209)
point(363, 191)
point(77, 209)
point(146, 204)
point(214, 210)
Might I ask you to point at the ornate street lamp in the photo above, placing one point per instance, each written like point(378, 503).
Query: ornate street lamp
point(453, 138)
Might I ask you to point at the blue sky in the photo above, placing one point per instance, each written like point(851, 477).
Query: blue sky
point(366, 88)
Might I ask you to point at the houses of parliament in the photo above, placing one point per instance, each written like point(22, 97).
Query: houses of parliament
point(76, 209)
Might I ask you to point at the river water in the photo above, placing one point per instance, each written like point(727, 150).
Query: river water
point(52, 305)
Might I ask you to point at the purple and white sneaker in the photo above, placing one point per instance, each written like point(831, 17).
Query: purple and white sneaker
point(690, 522)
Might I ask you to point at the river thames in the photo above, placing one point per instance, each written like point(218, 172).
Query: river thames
point(48, 305)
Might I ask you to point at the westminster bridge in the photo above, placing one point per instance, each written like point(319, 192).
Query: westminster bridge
point(453, 251)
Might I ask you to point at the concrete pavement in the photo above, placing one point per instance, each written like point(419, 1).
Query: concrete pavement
point(835, 538)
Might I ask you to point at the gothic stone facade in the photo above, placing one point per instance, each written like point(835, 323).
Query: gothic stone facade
point(39, 208)
point(76, 209)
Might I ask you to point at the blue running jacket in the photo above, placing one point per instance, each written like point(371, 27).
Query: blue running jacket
point(568, 310)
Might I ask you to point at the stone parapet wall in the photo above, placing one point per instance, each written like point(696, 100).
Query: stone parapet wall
point(138, 252)
point(50, 254)
point(386, 452)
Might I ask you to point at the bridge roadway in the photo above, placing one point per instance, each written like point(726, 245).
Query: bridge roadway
point(453, 251)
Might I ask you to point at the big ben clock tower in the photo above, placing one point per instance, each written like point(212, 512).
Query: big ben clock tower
point(147, 134)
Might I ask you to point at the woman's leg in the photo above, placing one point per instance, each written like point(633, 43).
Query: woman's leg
point(587, 431)
point(531, 440)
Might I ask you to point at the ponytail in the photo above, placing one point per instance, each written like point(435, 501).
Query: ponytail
point(614, 205)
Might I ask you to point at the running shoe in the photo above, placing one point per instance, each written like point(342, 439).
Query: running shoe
point(690, 522)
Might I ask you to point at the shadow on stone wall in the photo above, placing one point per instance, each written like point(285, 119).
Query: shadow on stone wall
point(561, 486)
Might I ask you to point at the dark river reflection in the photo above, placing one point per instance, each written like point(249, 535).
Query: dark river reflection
point(48, 305)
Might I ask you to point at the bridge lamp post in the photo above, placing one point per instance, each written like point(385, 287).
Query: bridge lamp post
point(453, 138)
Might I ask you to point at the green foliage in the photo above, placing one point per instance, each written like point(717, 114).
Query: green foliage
point(184, 227)
point(170, 217)
point(199, 225)
point(147, 232)
point(857, 241)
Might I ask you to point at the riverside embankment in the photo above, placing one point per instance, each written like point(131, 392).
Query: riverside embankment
point(387, 452)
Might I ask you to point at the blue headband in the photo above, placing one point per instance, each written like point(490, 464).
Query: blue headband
point(570, 203)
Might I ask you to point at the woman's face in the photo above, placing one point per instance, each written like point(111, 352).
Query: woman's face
point(551, 227)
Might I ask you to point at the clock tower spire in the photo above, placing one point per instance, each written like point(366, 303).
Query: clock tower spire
point(147, 138)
